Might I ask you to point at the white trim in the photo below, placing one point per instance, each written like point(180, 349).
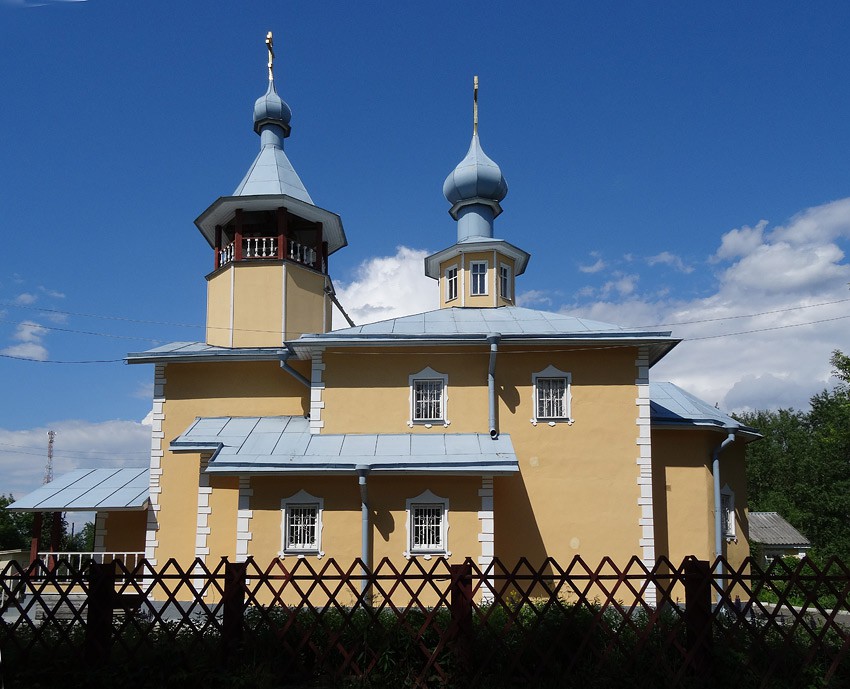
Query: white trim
point(462, 279)
point(244, 514)
point(232, 298)
point(100, 531)
point(487, 534)
point(552, 372)
point(203, 513)
point(317, 389)
point(728, 521)
point(426, 497)
point(507, 267)
point(646, 518)
point(283, 334)
point(446, 292)
point(302, 497)
point(472, 265)
point(495, 280)
point(157, 454)
point(428, 373)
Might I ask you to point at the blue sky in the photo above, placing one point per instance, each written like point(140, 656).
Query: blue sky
point(668, 163)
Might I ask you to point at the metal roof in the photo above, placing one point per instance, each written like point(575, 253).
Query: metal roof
point(283, 444)
point(272, 173)
point(672, 407)
point(770, 528)
point(520, 257)
point(513, 323)
point(200, 351)
point(87, 490)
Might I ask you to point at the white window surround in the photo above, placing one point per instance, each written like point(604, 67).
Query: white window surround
point(423, 503)
point(451, 283)
point(428, 374)
point(547, 373)
point(288, 507)
point(505, 281)
point(478, 278)
point(727, 517)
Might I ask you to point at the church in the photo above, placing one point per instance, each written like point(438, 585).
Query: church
point(481, 429)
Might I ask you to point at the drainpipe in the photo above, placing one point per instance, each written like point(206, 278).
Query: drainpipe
point(718, 514)
point(284, 364)
point(365, 531)
point(491, 382)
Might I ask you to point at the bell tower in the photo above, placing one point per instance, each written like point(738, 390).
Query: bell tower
point(478, 270)
point(270, 281)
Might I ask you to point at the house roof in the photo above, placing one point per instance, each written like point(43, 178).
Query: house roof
point(87, 490)
point(770, 528)
point(672, 407)
point(200, 351)
point(283, 444)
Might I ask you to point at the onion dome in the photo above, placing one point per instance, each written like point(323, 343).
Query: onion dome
point(272, 109)
point(475, 177)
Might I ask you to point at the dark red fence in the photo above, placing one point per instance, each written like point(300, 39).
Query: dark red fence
point(302, 623)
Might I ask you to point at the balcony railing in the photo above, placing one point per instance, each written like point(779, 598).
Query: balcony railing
point(267, 247)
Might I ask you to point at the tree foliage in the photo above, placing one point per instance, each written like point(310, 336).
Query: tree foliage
point(801, 468)
point(16, 530)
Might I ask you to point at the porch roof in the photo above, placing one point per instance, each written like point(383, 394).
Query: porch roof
point(90, 490)
point(284, 445)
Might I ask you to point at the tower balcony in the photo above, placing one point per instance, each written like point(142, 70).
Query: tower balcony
point(273, 248)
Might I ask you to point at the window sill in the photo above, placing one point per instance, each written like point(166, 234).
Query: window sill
point(426, 555)
point(301, 554)
point(429, 424)
point(553, 422)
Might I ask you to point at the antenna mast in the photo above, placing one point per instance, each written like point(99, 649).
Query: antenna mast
point(48, 470)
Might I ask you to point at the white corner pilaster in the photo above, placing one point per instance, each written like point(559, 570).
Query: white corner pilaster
point(202, 529)
point(486, 533)
point(244, 514)
point(157, 454)
point(646, 521)
point(100, 532)
point(317, 390)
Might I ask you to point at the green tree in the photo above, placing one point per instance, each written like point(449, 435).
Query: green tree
point(15, 527)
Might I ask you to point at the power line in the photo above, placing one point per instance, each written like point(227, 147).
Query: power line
point(39, 326)
point(82, 452)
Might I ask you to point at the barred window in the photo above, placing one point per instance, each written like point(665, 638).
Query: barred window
point(552, 398)
point(426, 532)
point(302, 523)
point(427, 400)
point(479, 278)
point(451, 283)
point(727, 512)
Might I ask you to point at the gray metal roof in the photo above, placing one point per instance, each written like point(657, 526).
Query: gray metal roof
point(200, 351)
point(770, 528)
point(432, 262)
point(672, 407)
point(513, 323)
point(87, 490)
point(283, 444)
point(272, 173)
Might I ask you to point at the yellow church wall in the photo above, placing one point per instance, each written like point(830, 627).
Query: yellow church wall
point(125, 531)
point(502, 301)
point(308, 308)
point(258, 304)
point(464, 281)
point(576, 480)
point(224, 502)
point(219, 301)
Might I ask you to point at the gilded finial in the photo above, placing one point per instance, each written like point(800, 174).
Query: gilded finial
point(270, 46)
point(475, 105)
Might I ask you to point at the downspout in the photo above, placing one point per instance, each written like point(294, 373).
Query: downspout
point(284, 364)
point(365, 530)
point(493, 339)
point(718, 507)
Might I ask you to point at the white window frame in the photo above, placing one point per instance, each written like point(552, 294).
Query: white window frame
point(547, 373)
point(427, 500)
point(301, 499)
point(472, 278)
point(428, 374)
point(451, 280)
point(727, 516)
point(505, 281)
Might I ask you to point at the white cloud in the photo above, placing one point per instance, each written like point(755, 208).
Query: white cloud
point(594, 267)
point(387, 287)
point(51, 292)
point(534, 297)
point(78, 445)
point(666, 258)
point(25, 299)
point(30, 337)
point(622, 285)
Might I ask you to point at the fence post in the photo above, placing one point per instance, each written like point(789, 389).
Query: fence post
point(461, 613)
point(698, 613)
point(233, 601)
point(99, 619)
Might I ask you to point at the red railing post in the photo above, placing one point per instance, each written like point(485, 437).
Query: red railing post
point(698, 614)
point(99, 620)
point(233, 601)
point(460, 604)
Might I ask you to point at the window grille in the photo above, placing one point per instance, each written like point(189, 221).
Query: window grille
point(451, 284)
point(727, 515)
point(479, 278)
point(302, 527)
point(505, 281)
point(551, 398)
point(427, 400)
point(426, 534)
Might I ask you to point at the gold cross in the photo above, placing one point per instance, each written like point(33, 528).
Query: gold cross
point(475, 105)
point(270, 45)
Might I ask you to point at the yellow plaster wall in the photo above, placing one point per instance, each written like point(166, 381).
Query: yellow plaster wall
point(258, 304)
point(464, 280)
point(512, 282)
point(484, 300)
point(125, 531)
point(308, 308)
point(214, 389)
point(219, 296)
point(576, 480)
